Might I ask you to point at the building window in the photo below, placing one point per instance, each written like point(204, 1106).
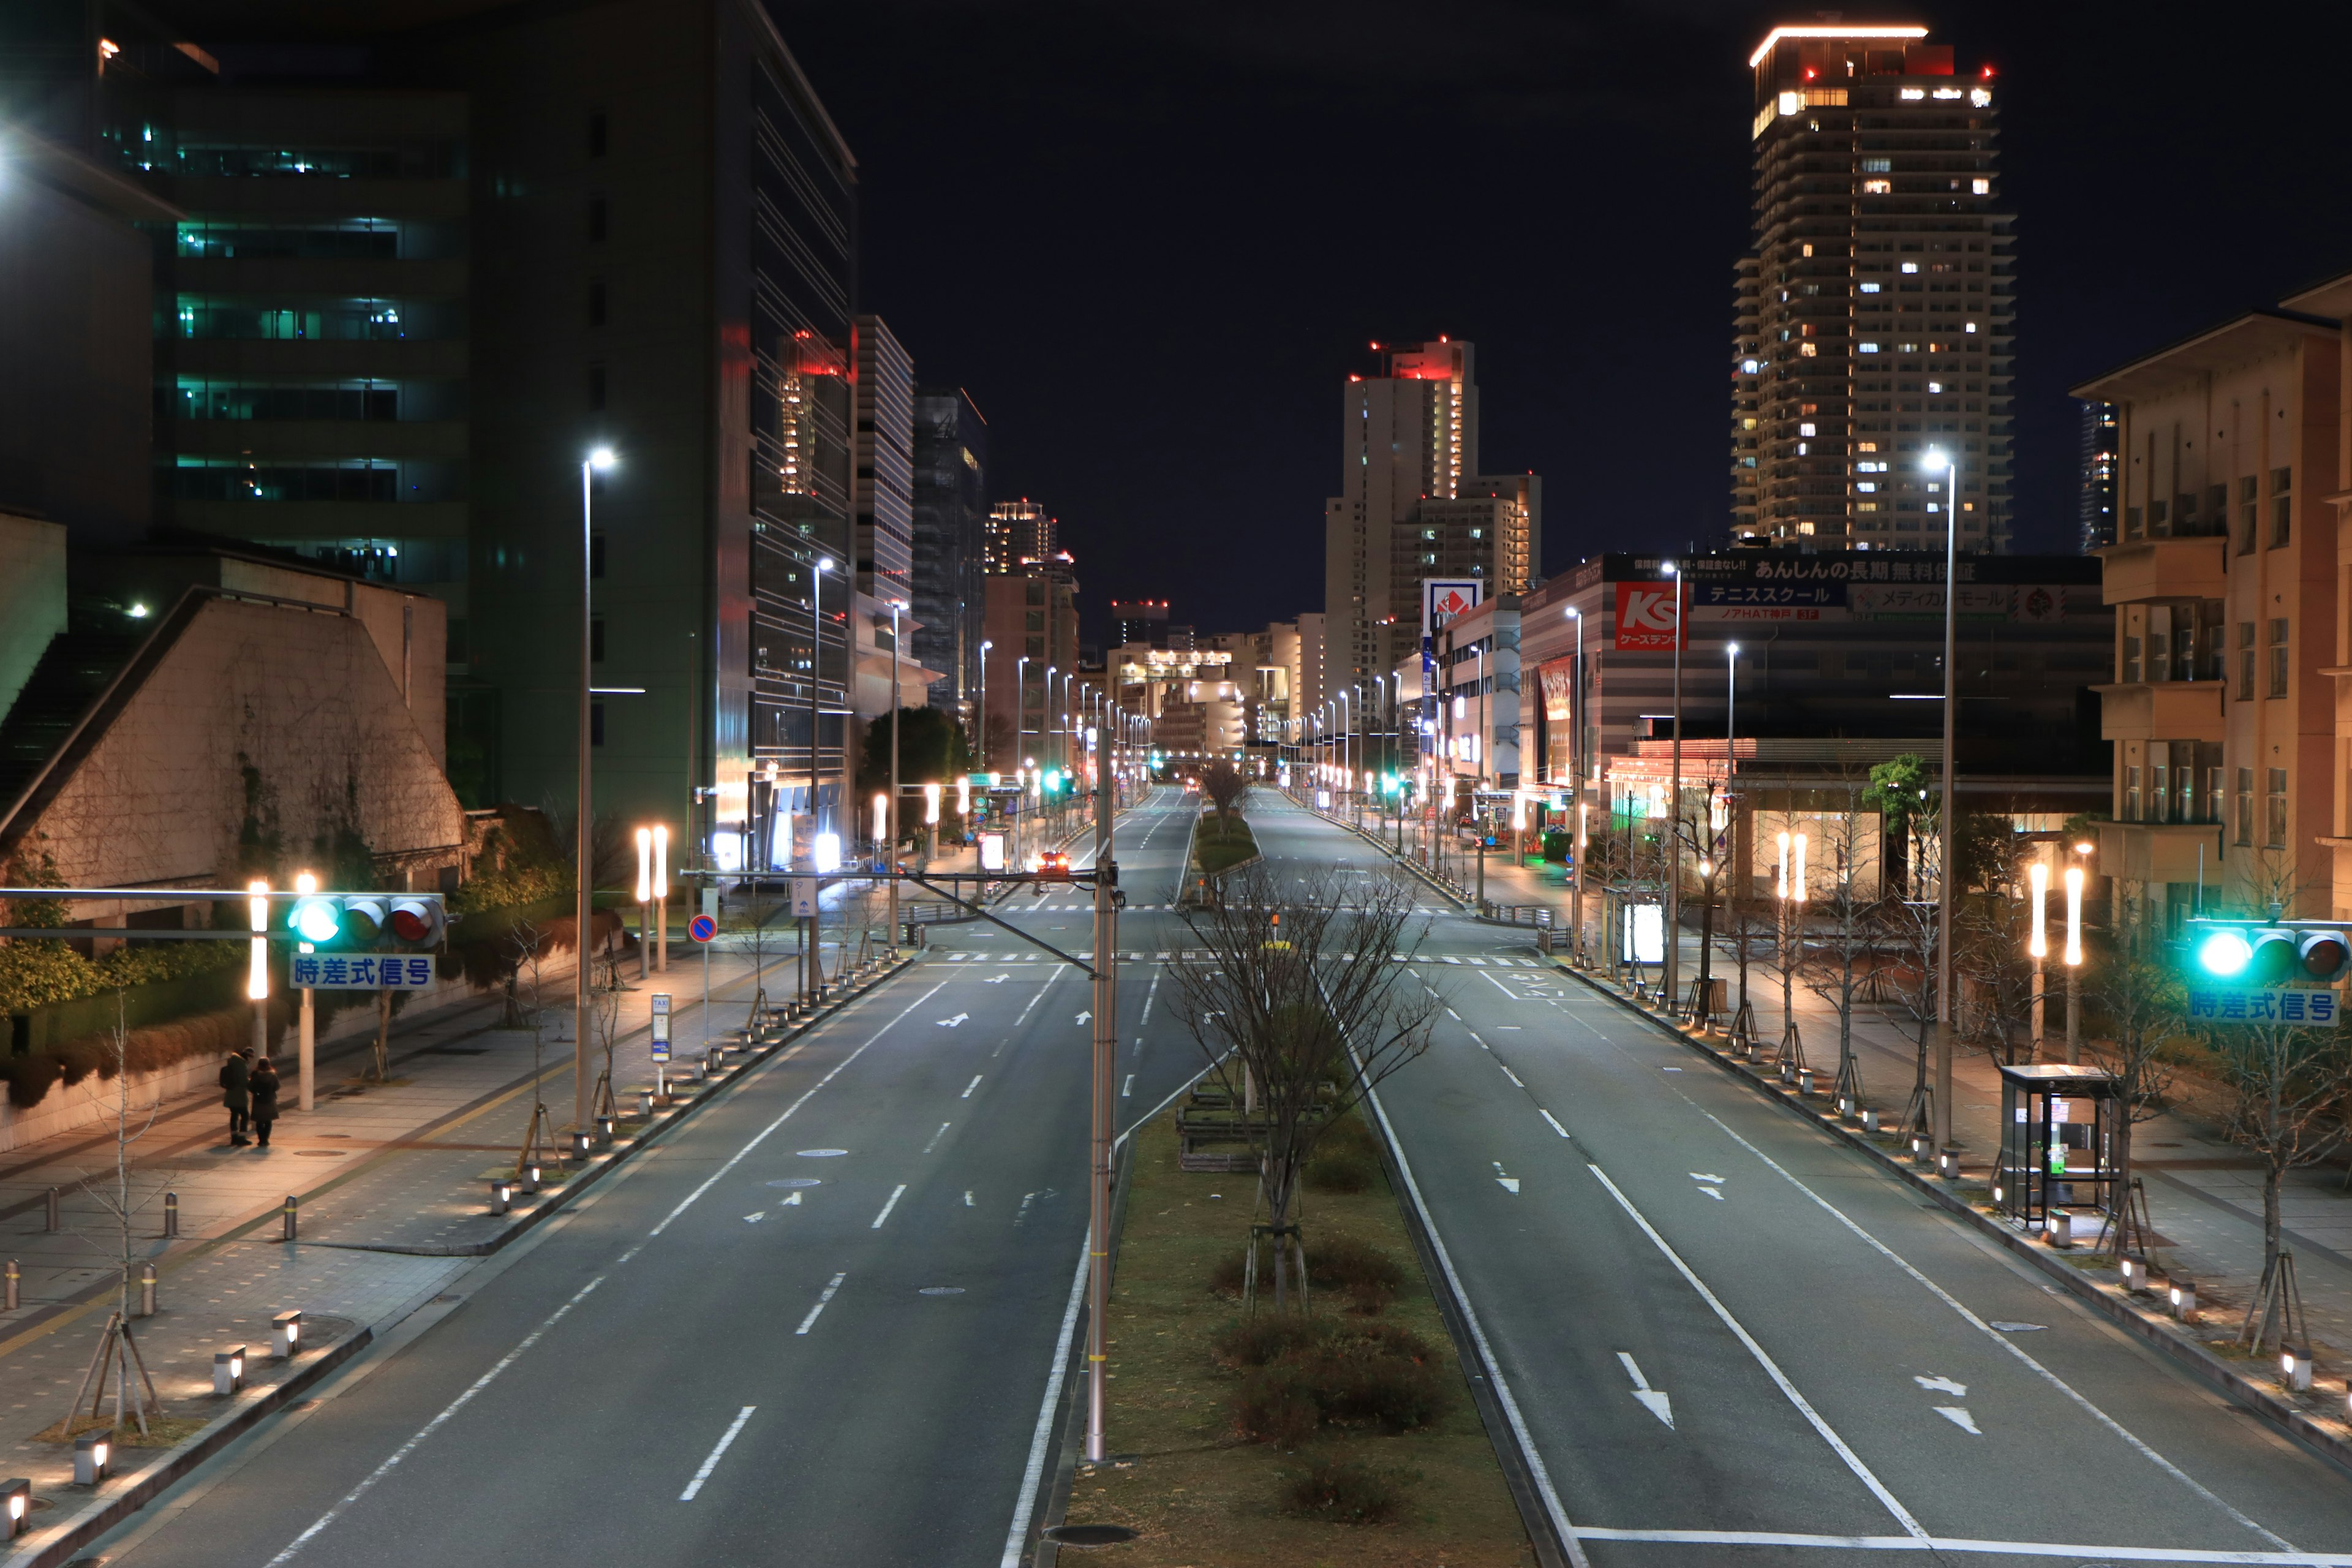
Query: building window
point(2246, 664)
point(2245, 805)
point(2282, 507)
point(2275, 810)
point(2213, 793)
point(2278, 657)
point(596, 639)
point(596, 724)
point(2131, 794)
point(2131, 660)
point(595, 555)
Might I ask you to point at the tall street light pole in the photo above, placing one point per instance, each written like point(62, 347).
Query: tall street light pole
point(1673, 968)
point(823, 565)
point(585, 893)
point(890, 853)
point(1576, 781)
point(1949, 880)
point(981, 747)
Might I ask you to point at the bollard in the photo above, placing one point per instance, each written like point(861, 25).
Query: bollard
point(645, 1104)
point(2062, 1230)
point(2184, 1300)
point(171, 1213)
point(580, 1145)
point(15, 1283)
point(501, 1196)
point(1805, 1081)
point(604, 1132)
point(15, 1507)
point(1948, 1166)
point(53, 1223)
point(2294, 1368)
point(286, 1335)
point(228, 1370)
point(293, 1218)
point(2133, 1272)
point(717, 1060)
point(1846, 1107)
point(1870, 1123)
point(93, 1459)
point(147, 1291)
point(530, 1178)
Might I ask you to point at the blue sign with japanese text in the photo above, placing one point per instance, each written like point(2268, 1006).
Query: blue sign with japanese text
point(2234, 1006)
point(360, 972)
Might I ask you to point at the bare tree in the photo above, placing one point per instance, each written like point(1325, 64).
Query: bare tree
point(1225, 786)
point(134, 1391)
point(1846, 936)
point(2143, 1005)
point(1988, 945)
point(1301, 995)
point(526, 1007)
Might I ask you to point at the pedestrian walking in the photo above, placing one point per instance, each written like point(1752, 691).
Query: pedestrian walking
point(236, 1077)
point(263, 1085)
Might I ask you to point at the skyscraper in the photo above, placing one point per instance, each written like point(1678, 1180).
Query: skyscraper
point(1414, 505)
point(882, 448)
point(1141, 621)
point(950, 511)
point(2095, 508)
point(1018, 532)
point(1876, 316)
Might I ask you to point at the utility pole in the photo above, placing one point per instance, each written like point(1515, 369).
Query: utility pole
point(1673, 845)
point(1106, 1070)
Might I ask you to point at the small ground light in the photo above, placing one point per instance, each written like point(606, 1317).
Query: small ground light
point(530, 1178)
point(501, 1196)
point(19, 1491)
point(2184, 1300)
point(228, 1370)
point(2294, 1368)
point(286, 1335)
point(2132, 1271)
point(93, 1459)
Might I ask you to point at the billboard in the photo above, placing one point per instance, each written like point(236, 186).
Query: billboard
point(1646, 617)
point(1443, 598)
point(1558, 677)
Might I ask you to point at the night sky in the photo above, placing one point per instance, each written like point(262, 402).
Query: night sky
point(1154, 241)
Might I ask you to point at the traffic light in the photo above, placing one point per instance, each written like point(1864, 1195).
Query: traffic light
point(2257, 953)
point(365, 922)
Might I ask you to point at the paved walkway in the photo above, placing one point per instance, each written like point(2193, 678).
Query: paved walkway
point(2204, 1194)
point(392, 1180)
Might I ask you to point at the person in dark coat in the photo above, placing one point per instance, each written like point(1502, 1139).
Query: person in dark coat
point(262, 1084)
point(236, 1078)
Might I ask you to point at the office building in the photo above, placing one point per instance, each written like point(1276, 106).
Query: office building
point(2228, 780)
point(882, 460)
point(1020, 531)
point(1874, 318)
point(1140, 621)
point(950, 517)
point(2094, 516)
point(1414, 505)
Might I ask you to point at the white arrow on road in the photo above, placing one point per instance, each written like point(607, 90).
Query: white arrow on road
point(996, 980)
point(1653, 1400)
point(1959, 1418)
point(791, 1200)
point(1509, 1184)
point(1083, 1017)
point(954, 1023)
point(1943, 1386)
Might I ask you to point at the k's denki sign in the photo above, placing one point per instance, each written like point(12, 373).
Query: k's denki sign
point(1645, 617)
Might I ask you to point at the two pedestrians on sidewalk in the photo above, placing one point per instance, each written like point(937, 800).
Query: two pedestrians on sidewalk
point(249, 1090)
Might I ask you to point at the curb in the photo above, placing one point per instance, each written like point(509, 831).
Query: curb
point(2257, 1397)
point(1410, 870)
point(106, 1511)
point(1070, 1441)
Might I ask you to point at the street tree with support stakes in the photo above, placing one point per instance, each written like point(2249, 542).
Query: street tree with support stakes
point(2144, 1004)
point(1846, 940)
point(1301, 1005)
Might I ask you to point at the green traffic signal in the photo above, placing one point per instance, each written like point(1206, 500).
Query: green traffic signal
point(2262, 955)
point(316, 921)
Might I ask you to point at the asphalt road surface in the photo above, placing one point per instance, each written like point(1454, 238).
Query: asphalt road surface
point(816, 1326)
point(1732, 1341)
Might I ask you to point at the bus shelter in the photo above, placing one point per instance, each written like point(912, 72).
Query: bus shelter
point(2058, 1123)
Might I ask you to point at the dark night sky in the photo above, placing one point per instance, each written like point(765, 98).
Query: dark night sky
point(1154, 241)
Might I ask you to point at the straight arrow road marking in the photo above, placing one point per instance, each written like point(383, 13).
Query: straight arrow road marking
point(996, 980)
point(755, 1218)
point(792, 1201)
point(1083, 1017)
point(810, 1322)
point(711, 1463)
point(1943, 1386)
point(1653, 1400)
point(1959, 1418)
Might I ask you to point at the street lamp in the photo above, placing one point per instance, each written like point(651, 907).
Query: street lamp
point(981, 728)
point(890, 851)
point(599, 461)
point(2073, 957)
point(1576, 779)
point(2037, 878)
point(1933, 459)
point(1675, 808)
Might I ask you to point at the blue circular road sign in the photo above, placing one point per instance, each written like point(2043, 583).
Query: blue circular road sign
point(702, 927)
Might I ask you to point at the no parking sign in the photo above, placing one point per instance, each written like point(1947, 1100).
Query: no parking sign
point(702, 927)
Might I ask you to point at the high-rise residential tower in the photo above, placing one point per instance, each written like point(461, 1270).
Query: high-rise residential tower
point(882, 444)
point(1877, 314)
point(1413, 505)
point(2096, 507)
point(1018, 532)
point(950, 508)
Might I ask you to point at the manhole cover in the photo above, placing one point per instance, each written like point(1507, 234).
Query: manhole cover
point(820, 1153)
point(322, 1154)
point(941, 1290)
point(797, 1182)
point(1090, 1534)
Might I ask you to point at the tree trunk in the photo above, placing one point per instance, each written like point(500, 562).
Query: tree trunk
point(383, 1035)
point(2274, 1175)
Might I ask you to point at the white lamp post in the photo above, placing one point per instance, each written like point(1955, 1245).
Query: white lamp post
point(1674, 807)
point(2037, 876)
point(980, 738)
point(1946, 883)
point(584, 895)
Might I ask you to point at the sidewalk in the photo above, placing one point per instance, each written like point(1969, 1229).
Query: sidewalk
point(2204, 1195)
point(392, 1181)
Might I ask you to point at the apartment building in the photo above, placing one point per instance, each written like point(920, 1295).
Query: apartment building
point(2228, 779)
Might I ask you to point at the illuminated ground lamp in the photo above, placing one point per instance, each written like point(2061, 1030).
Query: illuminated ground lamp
point(603, 1131)
point(1870, 1123)
point(530, 1178)
point(15, 1507)
point(1919, 1145)
point(2133, 1272)
point(2062, 1229)
point(580, 1144)
point(93, 1459)
point(2184, 1300)
point(228, 1370)
point(501, 1196)
point(645, 1104)
point(2294, 1368)
point(286, 1335)
point(1948, 1166)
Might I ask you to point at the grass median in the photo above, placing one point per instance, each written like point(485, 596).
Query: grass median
point(1344, 1434)
point(1221, 845)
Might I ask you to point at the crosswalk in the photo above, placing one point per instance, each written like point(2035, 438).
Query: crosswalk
point(1493, 960)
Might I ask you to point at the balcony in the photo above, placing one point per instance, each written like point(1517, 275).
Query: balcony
point(2161, 710)
point(2161, 851)
point(2147, 569)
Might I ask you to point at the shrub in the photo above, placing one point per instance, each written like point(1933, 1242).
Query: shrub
point(1347, 1491)
point(1368, 1276)
point(1299, 1374)
point(1255, 1341)
point(29, 1078)
point(1341, 1171)
point(1278, 1404)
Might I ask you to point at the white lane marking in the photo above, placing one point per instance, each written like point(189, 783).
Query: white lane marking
point(1512, 1076)
point(1653, 1400)
point(1051, 976)
point(827, 1295)
point(1941, 1384)
point(1963, 1545)
point(1992, 1329)
point(368, 1482)
point(955, 1022)
point(1503, 1395)
point(936, 1136)
point(1715, 1192)
point(1513, 1028)
point(1959, 1418)
point(973, 1085)
point(762, 1136)
point(896, 1194)
point(1016, 1538)
point(2008, 1328)
point(1789, 1390)
point(711, 1463)
point(1556, 1126)
point(1149, 997)
point(755, 1218)
point(1128, 1088)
